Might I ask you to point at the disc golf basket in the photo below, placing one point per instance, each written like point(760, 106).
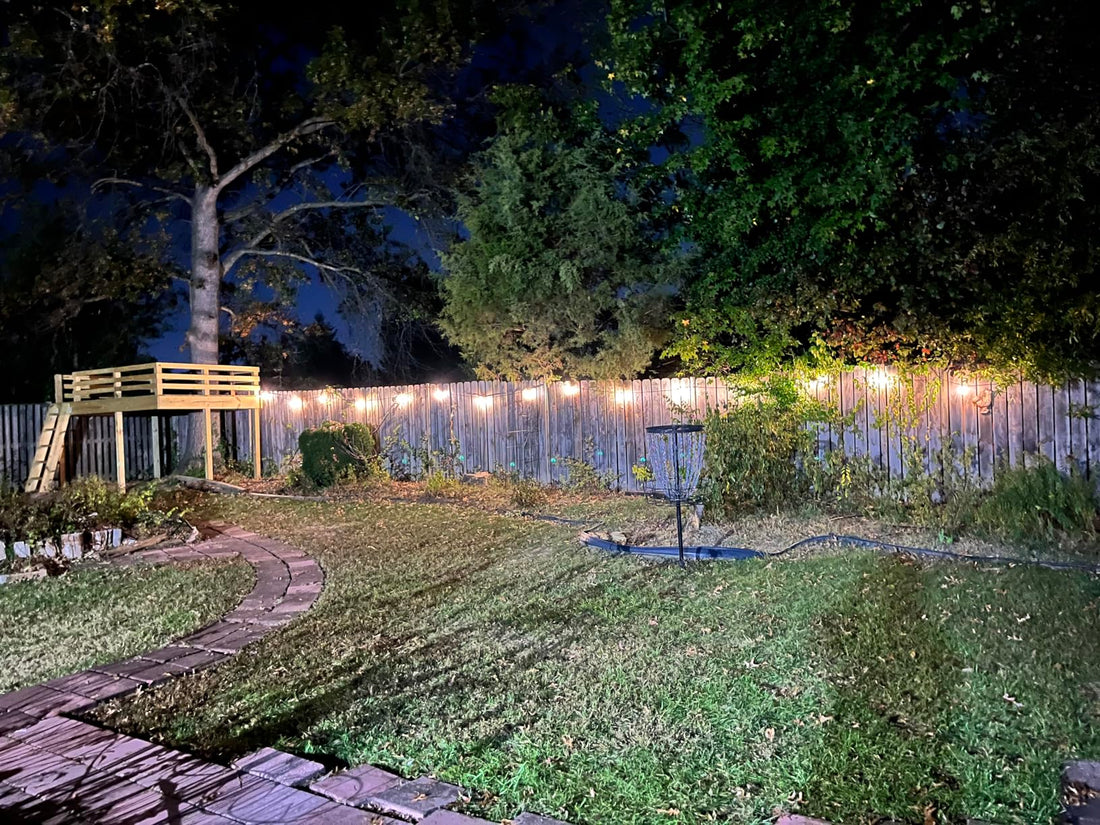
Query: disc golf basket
point(676, 460)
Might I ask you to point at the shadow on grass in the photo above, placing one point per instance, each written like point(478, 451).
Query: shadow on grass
point(895, 677)
point(425, 650)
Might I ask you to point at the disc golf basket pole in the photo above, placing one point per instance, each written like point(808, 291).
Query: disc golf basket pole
point(676, 459)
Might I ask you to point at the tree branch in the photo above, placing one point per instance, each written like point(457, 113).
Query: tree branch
point(102, 182)
point(200, 135)
point(294, 256)
point(306, 127)
point(252, 243)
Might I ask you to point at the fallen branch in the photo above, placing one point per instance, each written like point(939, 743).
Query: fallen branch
point(207, 485)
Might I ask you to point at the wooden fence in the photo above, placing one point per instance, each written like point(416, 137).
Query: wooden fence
point(533, 429)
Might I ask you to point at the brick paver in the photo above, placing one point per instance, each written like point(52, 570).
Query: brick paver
point(63, 771)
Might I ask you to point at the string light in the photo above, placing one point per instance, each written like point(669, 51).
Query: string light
point(325, 397)
point(294, 403)
point(360, 404)
point(880, 379)
point(402, 399)
point(569, 389)
point(679, 395)
point(267, 395)
point(529, 394)
point(624, 396)
point(815, 383)
point(483, 402)
point(441, 394)
point(963, 390)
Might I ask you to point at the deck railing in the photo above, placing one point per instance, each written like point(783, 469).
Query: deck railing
point(159, 379)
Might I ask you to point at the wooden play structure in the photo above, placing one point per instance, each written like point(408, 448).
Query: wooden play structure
point(158, 388)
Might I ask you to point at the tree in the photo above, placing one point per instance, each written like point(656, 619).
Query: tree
point(296, 356)
point(558, 276)
point(866, 175)
point(74, 297)
point(252, 124)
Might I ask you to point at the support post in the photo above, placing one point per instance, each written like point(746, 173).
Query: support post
point(680, 532)
point(257, 456)
point(209, 434)
point(154, 425)
point(120, 454)
point(59, 399)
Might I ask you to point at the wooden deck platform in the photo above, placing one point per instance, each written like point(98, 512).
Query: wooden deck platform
point(164, 387)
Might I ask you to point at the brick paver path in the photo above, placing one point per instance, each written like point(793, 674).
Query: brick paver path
point(55, 770)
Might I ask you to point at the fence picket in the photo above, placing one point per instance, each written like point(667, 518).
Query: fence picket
point(604, 423)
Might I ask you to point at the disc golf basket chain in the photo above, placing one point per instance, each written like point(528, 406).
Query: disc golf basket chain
point(676, 460)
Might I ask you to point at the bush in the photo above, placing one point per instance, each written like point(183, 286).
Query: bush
point(527, 493)
point(755, 453)
point(1034, 503)
point(85, 504)
point(337, 451)
point(438, 484)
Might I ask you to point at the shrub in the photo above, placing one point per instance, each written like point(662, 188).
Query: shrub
point(755, 453)
point(85, 504)
point(336, 451)
point(438, 484)
point(527, 493)
point(1034, 503)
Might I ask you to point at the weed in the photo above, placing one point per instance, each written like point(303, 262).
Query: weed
point(437, 484)
point(1031, 504)
point(526, 493)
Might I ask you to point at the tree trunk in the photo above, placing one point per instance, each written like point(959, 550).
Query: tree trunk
point(206, 280)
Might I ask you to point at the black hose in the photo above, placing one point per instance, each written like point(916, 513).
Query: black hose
point(902, 549)
point(741, 553)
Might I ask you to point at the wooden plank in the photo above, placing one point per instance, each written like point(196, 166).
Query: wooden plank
point(154, 426)
point(984, 411)
point(1063, 448)
point(1048, 441)
point(208, 443)
point(1029, 422)
point(257, 450)
point(1078, 414)
point(1092, 428)
point(120, 453)
point(1013, 408)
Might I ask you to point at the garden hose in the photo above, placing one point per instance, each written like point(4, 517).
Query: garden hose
point(700, 552)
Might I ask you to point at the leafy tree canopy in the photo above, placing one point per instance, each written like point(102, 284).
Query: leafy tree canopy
point(891, 180)
point(74, 296)
point(559, 274)
point(272, 136)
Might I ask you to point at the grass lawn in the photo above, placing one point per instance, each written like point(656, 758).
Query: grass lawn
point(87, 617)
point(496, 653)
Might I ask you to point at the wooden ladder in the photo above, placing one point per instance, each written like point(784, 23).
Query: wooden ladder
point(47, 456)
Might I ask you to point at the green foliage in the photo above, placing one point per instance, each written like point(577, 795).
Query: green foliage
point(527, 493)
point(337, 451)
point(558, 276)
point(85, 504)
point(1034, 504)
point(64, 280)
point(756, 452)
point(762, 453)
point(438, 484)
point(642, 473)
point(197, 123)
point(583, 476)
point(901, 181)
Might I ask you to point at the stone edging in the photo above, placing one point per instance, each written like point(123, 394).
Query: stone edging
point(63, 770)
point(288, 582)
